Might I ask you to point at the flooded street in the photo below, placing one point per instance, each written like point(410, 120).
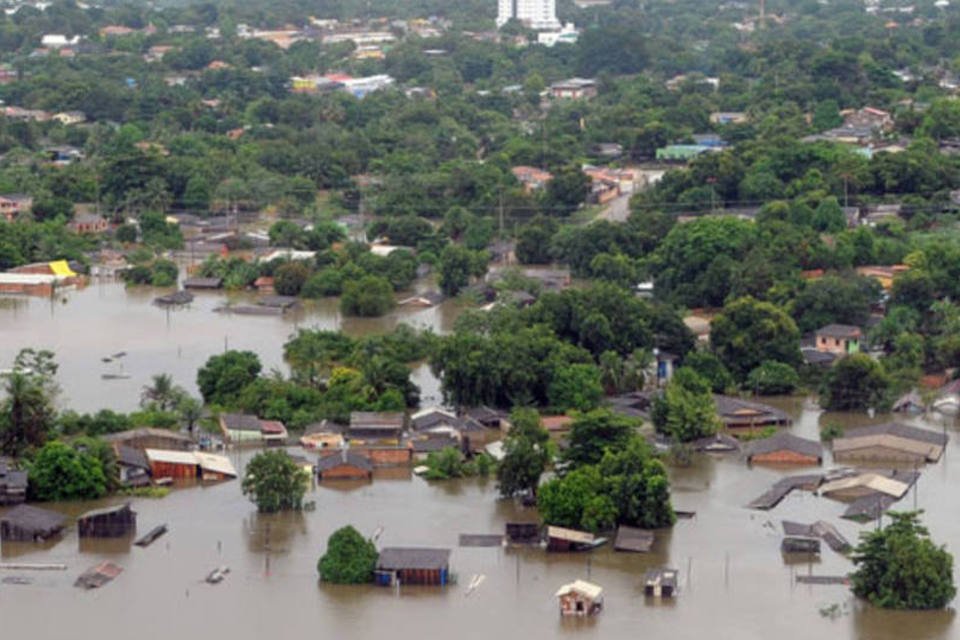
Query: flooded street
point(105, 318)
point(734, 582)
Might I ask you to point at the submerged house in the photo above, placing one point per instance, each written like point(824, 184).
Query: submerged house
point(561, 539)
point(151, 438)
point(890, 443)
point(580, 598)
point(13, 485)
point(344, 465)
point(110, 522)
point(245, 428)
point(785, 448)
point(413, 565)
point(744, 415)
point(189, 465)
point(376, 427)
point(839, 339)
point(132, 465)
point(660, 583)
point(24, 523)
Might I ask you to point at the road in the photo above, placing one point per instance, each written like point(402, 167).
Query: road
point(617, 210)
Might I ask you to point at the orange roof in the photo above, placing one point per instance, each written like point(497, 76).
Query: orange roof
point(556, 423)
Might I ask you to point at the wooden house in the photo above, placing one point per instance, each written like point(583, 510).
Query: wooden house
point(580, 598)
point(372, 427)
point(411, 565)
point(239, 427)
point(151, 438)
point(189, 465)
point(561, 539)
point(785, 448)
point(890, 443)
point(13, 485)
point(660, 583)
point(344, 465)
point(24, 523)
point(110, 522)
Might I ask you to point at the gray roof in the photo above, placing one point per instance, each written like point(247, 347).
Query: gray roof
point(346, 457)
point(34, 520)
point(397, 558)
point(785, 442)
point(437, 443)
point(132, 457)
point(144, 432)
point(203, 283)
point(432, 419)
point(900, 431)
point(736, 409)
point(105, 511)
point(812, 356)
point(373, 420)
point(633, 539)
point(240, 422)
point(840, 331)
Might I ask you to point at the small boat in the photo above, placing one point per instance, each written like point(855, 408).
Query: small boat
point(217, 575)
point(106, 359)
point(97, 576)
point(119, 354)
point(115, 376)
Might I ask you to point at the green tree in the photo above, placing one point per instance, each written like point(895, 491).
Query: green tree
point(289, 278)
point(370, 296)
point(773, 378)
point(856, 382)
point(566, 191)
point(709, 367)
point(274, 482)
point(160, 393)
point(577, 500)
point(457, 265)
point(638, 486)
point(748, 331)
point(224, 376)
point(350, 558)
point(60, 472)
point(899, 566)
point(526, 454)
point(575, 387)
point(593, 433)
point(686, 410)
point(27, 411)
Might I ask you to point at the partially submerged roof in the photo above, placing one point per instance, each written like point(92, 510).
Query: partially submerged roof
point(374, 420)
point(34, 520)
point(785, 442)
point(633, 539)
point(899, 430)
point(580, 587)
point(737, 410)
point(145, 432)
point(572, 535)
point(131, 457)
point(215, 463)
point(165, 456)
point(105, 511)
point(344, 458)
point(240, 422)
point(398, 558)
point(818, 529)
point(872, 481)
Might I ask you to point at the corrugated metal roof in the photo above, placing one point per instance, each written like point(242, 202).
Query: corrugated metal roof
point(872, 481)
point(215, 464)
point(560, 533)
point(397, 558)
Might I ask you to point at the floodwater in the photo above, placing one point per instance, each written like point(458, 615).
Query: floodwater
point(734, 581)
point(105, 318)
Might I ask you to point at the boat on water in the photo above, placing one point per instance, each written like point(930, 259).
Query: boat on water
point(115, 376)
point(217, 575)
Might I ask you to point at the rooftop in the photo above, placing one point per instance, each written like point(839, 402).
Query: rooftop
point(345, 457)
point(840, 331)
point(785, 442)
point(397, 558)
point(240, 422)
point(581, 587)
point(373, 420)
point(33, 519)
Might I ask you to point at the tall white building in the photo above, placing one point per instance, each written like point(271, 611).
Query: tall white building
point(535, 14)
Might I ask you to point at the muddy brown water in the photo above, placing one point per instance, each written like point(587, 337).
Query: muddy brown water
point(82, 327)
point(734, 582)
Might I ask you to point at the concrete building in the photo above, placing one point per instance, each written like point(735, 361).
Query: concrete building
point(535, 14)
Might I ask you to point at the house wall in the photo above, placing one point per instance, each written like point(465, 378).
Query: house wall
point(784, 457)
point(345, 472)
point(387, 456)
point(173, 470)
point(244, 436)
point(423, 576)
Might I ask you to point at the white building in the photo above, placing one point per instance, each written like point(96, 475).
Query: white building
point(535, 14)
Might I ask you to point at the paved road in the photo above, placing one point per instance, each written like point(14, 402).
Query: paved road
point(617, 210)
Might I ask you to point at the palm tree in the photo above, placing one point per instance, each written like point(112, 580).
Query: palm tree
point(161, 392)
point(190, 410)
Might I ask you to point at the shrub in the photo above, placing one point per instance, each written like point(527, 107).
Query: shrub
point(350, 558)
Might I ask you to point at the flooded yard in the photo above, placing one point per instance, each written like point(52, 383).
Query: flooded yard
point(734, 582)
